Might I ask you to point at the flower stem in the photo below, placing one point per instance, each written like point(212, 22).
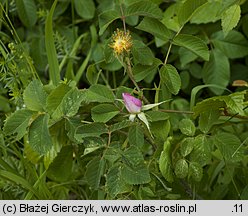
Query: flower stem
point(127, 59)
point(123, 18)
point(130, 73)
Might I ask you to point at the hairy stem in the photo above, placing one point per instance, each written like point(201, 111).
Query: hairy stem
point(130, 73)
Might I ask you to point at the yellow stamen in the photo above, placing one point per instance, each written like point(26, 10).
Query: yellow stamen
point(121, 42)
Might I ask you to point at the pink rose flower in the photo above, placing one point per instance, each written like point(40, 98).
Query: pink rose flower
point(132, 104)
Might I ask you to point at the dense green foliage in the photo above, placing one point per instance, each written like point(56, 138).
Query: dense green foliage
point(65, 131)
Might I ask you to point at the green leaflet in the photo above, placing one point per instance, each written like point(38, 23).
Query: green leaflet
point(104, 112)
point(165, 163)
point(113, 154)
point(193, 44)
point(185, 76)
point(181, 168)
point(27, 10)
point(133, 169)
point(188, 9)
point(52, 153)
point(161, 129)
point(186, 146)
point(144, 8)
point(170, 20)
point(18, 122)
point(142, 53)
point(71, 125)
point(207, 119)
point(155, 27)
point(114, 182)
point(35, 96)
point(187, 127)
point(139, 8)
point(196, 89)
point(120, 125)
point(55, 100)
point(30, 154)
point(207, 13)
point(64, 101)
point(143, 71)
point(230, 18)
point(61, 167)
point(135, 175)
point(106, 18)
point(85, 8)
point(132, 156)
point(227, 4)
point(132, 20)
point(99, 93)
point(195, 70)
point(94, 172)
point(195, 171)
point(90, 130)
point(201, 152)
point(234, 45)
point(186, 56)
point(154, 116)
point(92, 74)
point(234, 103)
point(39, 136)
point(216, 71)
point(230, 146)
point(136, 136)
point(170, 78)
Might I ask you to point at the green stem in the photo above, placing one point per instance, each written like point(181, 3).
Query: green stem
point(177, 111)
point(167, 54)
point(165, 62)
point(192, 113)
point(169, 49)
point(123, 17)
point(124, 80)
point(114, 80)
point(130, 73)
point(105, 79)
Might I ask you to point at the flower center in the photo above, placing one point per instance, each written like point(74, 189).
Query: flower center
point(121, 42)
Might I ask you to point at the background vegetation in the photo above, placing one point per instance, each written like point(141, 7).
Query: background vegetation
point(65, 132)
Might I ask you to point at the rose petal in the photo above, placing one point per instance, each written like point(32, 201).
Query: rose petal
point(132, 104)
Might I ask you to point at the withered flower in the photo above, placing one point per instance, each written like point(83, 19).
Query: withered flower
point(121, 42)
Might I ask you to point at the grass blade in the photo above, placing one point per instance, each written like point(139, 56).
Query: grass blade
point(50, 48)
point(19, 181)
point(85, 63)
